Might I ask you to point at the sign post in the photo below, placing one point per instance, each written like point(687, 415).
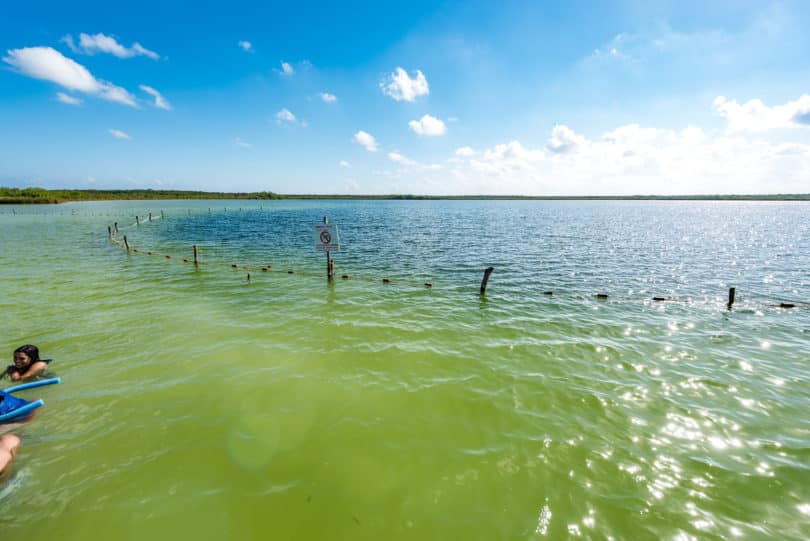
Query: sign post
point(327, 240)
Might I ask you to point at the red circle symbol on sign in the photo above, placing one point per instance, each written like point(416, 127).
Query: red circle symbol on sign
point(326, 238)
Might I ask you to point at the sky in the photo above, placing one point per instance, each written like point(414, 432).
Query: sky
point(441, 98)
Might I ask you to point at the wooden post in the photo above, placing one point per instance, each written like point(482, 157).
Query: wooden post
point(195, 255)
point(161, 214)
point(487, 272)
point(126, 244)
point(150, 216)
point(732, 291)
point(329, 265)
point(137, 220)
point(116, 228)
point(109, 232)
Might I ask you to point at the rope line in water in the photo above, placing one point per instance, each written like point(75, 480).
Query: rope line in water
point(764, 301)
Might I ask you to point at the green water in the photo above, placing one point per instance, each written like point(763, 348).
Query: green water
point(195, 403)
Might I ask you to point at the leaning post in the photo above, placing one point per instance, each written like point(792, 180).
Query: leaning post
point(487, 272)
point(732, 291)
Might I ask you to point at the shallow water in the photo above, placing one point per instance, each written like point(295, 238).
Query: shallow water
point(196, 403)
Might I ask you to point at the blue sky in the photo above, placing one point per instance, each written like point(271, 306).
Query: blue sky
point(418, 97)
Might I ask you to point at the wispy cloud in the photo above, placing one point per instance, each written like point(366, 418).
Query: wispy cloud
point(285, 115)
point(70, 100)
point(244, 144)
point(286, 69)
point(327, 97)
point(344, 163)
point(365, 140)
point(100, 43)
point(49, 64)
point(399, 158)
point(246, 46)
point(118, 134)
point(428, 125)
point(401, 87)
point(160, 102)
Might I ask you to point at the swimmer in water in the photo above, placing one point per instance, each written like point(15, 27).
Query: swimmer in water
point(9, 443)
point(26, 363)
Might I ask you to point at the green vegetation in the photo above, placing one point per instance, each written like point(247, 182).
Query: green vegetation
point(20, 196)
point(41, 195)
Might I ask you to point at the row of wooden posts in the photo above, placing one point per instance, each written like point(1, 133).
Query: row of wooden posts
point(330, 269)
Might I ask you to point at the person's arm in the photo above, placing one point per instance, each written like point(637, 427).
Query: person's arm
point(33, 370)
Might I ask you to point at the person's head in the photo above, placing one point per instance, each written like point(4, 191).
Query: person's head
point(25, 356)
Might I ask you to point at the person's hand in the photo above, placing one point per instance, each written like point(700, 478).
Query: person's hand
point(15, 376)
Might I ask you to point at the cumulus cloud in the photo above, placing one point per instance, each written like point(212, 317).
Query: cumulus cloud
point(246, 46)
point(401, 87)
point(563, 139)
point(160, 101)
point(344, 163)
point(399, 158)
point(366, 140)
point(99, 43)
point(49, 64)
point(287, 69)
point(755, 116)
point(428, 125)
point(465, 152)
point(285, 116)
point(70, 100)
point(634, 159)
point(327, 97)
point(118, 134)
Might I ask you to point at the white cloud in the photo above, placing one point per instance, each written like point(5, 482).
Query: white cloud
point(400, 86)
point(428, 125)
point(285, 116)
point(243, 144)
point(70, 100)
point(755, 116)
point(160, 101)
point(465, 152)
point(246, 46)
point(49, 64)
point(634, 159)
point(118, 134)
point(287, 69)
point(366, 140)
point(399, 158)
point(327, 97)
point(344, 163)
point(563, 139)
point(99, 43)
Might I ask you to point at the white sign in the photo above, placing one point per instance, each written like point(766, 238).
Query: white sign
point(327, 238)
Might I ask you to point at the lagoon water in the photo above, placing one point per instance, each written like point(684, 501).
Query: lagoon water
point(196, 404)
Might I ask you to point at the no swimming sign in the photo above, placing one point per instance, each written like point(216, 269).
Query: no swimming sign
point(327, 238)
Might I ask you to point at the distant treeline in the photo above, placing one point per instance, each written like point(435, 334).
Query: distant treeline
point(20, 196)
point(40, 195)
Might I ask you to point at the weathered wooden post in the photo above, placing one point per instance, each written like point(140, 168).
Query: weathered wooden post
point(116, 228)
point(328, 255)
point(161, 214)
point(126, 244)
point(109, 232)
point(137, 220)
point(195, 255)
point(150, 216)
point(732, 291)
point(487, 272)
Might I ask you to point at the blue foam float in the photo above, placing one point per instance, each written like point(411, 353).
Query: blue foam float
point(14, 409)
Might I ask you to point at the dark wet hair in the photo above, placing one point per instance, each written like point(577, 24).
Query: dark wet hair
point(31, 351)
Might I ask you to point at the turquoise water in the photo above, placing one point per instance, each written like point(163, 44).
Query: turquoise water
point(198, 403)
